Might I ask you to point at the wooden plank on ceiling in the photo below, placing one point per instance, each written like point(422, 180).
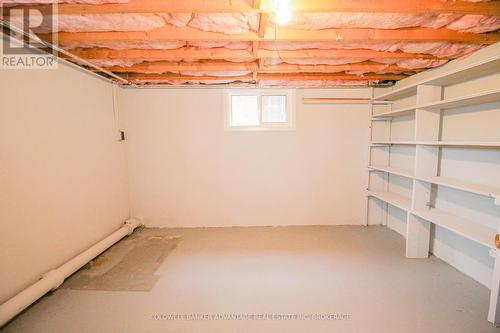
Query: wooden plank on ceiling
point(172, 33)
point(263, 24)
point(223, 53)
point(220, 6)
point(264, 76)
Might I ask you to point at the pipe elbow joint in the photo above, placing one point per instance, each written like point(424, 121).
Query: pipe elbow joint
point(132, 223)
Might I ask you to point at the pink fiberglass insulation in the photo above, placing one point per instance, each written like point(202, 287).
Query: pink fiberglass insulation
point(237, 23)
point(101, 22)
point(109, 22)
point(177, 19)
point(308, 61)
point(250, 58)
point(123, 45)
point(311, 83)
point(318, 21)
point(114, 62)
point(227, 23)
point(227, 45)
point(439, 49)
point(148, 44)
point(221, 74)
point(403, 63)
point(476, 23)
point(90, 2)
point(411, 63)
point(192, 82)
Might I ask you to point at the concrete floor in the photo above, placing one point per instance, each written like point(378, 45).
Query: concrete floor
point(359, 274)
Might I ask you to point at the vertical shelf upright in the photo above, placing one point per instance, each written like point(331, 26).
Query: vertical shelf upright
point(427, 128)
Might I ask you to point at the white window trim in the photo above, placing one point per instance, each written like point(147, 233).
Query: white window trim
point(290, 106)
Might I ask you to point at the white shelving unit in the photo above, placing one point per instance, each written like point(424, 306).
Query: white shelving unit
point(429, 107)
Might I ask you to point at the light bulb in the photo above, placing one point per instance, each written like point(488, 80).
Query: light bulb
point(283, 11)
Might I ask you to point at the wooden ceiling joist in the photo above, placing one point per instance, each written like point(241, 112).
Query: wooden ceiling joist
point(226, 66)
point(221, 6)
point(224, 53)
point(263, 24)
point(172, 33)
point(264, 76)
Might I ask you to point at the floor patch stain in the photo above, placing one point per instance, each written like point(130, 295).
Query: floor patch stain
point(129, 266)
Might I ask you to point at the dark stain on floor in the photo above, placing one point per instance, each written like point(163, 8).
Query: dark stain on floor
point(128, 266)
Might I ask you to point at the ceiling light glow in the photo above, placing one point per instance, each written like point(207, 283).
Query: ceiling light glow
point(283, 11)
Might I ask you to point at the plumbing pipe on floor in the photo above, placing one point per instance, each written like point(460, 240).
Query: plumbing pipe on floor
point(54, 278)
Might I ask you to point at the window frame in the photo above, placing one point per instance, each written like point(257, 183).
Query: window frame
point(289, 94)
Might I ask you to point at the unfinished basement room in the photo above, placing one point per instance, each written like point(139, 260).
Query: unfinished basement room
point(272, 166)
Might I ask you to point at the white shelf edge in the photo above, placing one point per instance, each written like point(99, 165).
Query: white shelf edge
point(384, 143)
point(473, 99)
point(466, 228)
point(440, 143)
point(396, 200)
point(392, 170)
point(460, 143)
point(487, 191)
point(399, 92)
point(456, 75)
point(490, 96)
point(397, 112)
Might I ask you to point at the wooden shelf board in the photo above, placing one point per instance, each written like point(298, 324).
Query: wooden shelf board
point(392, 143)
point(397, 112)
point(461, 226)
point(473, 99)
point(460, 143)
point(464, 186)
point(491, 144)
point(397, 93)
point(392, 170)
point(470, 72)
point(396, 200)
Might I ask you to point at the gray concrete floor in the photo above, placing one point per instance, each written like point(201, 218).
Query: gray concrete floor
point(358, 272)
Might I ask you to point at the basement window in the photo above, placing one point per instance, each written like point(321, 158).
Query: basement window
point(259, 109)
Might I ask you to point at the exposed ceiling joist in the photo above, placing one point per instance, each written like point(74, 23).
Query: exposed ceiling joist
point(262, 25)
point(264, 76)
point(221, 6)
point(223, 53)
point(170, 33)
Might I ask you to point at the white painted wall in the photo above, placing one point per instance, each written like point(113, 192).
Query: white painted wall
point(186, 171)
point(63, 182)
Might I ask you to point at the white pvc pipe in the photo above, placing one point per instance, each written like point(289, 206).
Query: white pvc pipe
point(54, 278)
